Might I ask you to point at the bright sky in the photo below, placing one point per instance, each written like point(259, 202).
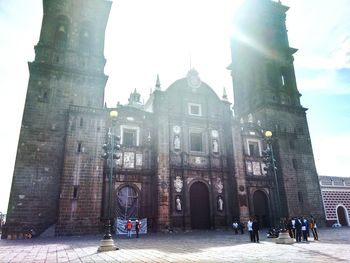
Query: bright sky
point(146, 38)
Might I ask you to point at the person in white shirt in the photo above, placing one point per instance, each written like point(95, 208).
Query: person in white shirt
point(235, 227)
point(250, 229)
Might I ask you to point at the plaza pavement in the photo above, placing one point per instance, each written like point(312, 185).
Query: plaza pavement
point(195, 246)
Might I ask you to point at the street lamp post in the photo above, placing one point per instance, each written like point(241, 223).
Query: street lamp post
point(269, 159)
point(271, 165)
point(110, 148)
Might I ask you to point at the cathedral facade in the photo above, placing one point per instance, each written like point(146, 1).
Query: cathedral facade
point(187, 160)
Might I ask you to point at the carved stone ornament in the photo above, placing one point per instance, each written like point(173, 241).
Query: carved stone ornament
point(176, 129)
point(214, 133)
point(193, 80)
point(178, 184)
point(219, 185)
point(242, 200)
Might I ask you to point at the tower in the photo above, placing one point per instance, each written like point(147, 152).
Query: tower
point(265, 89)
point(68, 69)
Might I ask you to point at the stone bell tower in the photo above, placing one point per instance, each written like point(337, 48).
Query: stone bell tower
point(265, 88)
point(68, 70)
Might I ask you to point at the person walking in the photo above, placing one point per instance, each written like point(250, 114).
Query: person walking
point(128, 228)
point(313, 227)
point(250, 229)
point(256, 228)
point(137, 228)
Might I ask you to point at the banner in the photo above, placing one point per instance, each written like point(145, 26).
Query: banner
point(120, 224)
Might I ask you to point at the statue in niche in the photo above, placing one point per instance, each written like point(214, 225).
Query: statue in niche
point(177, 142)
point(215, 146)
point(250, 118)
point(220, 204)
point(178, 203)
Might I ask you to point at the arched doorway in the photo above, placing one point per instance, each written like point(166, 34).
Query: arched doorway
point(127, 203)
point(261, 208)
point(342, 216)
point(199, 205)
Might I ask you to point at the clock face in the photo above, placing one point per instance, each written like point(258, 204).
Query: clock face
point(214, 133)
point(176, 129)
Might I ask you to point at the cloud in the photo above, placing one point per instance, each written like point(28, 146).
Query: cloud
point(332, 155)
point(341, 56)
point(336, 56)
point(327, 81)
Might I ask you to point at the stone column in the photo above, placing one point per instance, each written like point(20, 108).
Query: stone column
point(240, 174)
point(163, 174)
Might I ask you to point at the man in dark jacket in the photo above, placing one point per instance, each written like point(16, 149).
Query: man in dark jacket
point(298, 224)
point(256, 228)
point(137, 228)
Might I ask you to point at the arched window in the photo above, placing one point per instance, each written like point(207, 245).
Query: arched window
point(61, 32)
point(61, 36)
point(127, 203)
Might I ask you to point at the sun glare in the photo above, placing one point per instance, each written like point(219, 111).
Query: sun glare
point(167, 38)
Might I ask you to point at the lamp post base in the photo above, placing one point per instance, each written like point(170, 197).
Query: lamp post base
point(107, 245)
point(284, 238)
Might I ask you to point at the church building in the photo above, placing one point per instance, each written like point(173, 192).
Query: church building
point(187, 159)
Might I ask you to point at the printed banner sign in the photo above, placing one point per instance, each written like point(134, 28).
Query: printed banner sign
point(120, 224)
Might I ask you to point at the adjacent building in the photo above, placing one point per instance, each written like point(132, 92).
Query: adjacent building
point(336, 199)
point(187, 160)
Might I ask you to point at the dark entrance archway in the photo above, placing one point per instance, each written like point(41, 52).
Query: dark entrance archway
point(342, 219)
point(261, 208)
point(199, 205)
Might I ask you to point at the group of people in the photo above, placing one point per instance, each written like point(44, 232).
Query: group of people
point(253, 228)
point(299, 228)
point(128, 228)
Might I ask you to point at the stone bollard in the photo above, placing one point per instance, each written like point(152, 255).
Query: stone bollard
point(284, 238)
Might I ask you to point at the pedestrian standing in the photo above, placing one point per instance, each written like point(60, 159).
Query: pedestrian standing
point(241, 227)
point(235, 227)
point(293, 227)
point(298, 225)
point(137, 228)
point(290, 228)
point(304, 228)
point(307, 226)
point(250, 229)
point(256, 228)
point(313, 227)
point(128, 228)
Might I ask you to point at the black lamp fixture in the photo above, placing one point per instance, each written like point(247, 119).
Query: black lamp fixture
point(270, 167)
point(110, 153)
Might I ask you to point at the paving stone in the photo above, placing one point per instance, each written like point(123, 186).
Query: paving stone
point(201, 246)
